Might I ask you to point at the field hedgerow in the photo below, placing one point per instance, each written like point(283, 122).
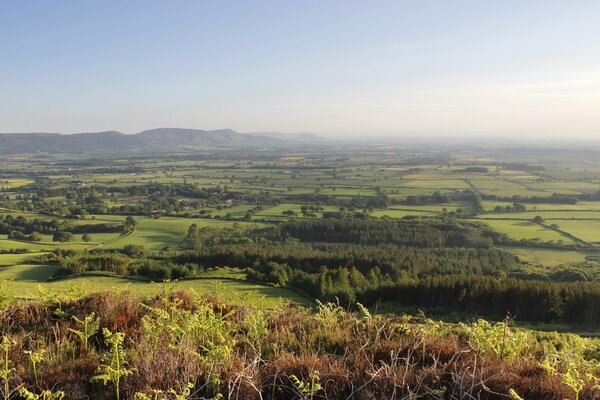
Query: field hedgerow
point(182, 346)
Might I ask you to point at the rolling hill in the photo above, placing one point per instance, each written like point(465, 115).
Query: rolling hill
point(154, 140)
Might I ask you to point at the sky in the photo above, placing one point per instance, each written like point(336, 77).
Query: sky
point(339, 68)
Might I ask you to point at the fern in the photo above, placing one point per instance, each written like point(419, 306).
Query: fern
point(35, 357)
point(6, 370)
point(311, 387)
point(514, 395)
point(117, 369)
point(45, 395)
point(90, 326)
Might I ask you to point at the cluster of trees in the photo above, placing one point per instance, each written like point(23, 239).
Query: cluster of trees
point(529, 300)
point(131, 260)
point(9, 223)
point(350, 203)
point(556, 198)
point(515, 207)
point(442, 232)
point(391, 260)
point(539, 301)
point(21, 228)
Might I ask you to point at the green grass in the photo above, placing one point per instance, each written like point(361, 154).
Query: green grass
point(495, 184)
point(40, 246)
point(547, 257)
point(18, 274)
point(518, 230)
point(14, 183)
point(276, 212)
point(155, 234)
point(549, 215)
point(435, 184)
point(13, 259)
point(395, 213)
point(588, 231)
point(580, 206)
point(25, 281)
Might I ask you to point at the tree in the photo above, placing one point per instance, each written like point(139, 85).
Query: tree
point(62, 237)
point(130, 223)
point(538, 219)
point(35, 237)
point(86, 238)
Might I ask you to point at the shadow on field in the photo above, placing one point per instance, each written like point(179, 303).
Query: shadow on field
point(35, 273)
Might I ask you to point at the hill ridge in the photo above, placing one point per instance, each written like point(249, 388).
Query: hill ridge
point(153, 140)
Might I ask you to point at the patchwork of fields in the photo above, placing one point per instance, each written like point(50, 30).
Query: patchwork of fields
point(167, 197)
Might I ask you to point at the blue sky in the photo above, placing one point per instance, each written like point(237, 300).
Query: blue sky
point(331, 67)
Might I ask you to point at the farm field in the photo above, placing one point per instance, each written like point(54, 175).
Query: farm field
point(588, 231)
point(31, 281)
point(548, 257)
point(518, 230)
point(549, 215)
point(154, 234)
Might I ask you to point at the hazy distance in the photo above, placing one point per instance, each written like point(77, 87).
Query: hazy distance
point(335, 68)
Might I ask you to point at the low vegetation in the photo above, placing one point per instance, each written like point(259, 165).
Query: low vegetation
point(178, 345)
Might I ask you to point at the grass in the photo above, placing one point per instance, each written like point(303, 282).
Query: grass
point(549, 215)
point(13, 259)
point(7, 244)
point(276, 212)
point(29, 281)
point(587, 230)
point(495, 184)
point(157, 233)
point(518, 230)
point(14, 183)
point(580, 206)
point(547, 257)
point(396, 213)
point(435, 184)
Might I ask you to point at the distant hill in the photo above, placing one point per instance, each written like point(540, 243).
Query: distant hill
point(154, 140)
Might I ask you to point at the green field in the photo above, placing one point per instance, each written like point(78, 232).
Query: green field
point(547, 257)
point(588, 231)
point(13, 259)
point(154, 234)
point(31, 281)
point(14, 183)
point(526, 230)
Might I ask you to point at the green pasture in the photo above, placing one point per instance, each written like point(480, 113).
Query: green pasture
point(586, 230)
point(518, 230)
point(395, 213)
point(154, 234)
point(548, 215)
point(436, 184)
point(12, 183)
point(580, 206)
point(14, 259)
point(31, 281)
point(276, 212)
point(496, 184)
point(547, 257)
point(7, 244)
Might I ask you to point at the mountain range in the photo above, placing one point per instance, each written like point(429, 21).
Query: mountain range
point(153, 140)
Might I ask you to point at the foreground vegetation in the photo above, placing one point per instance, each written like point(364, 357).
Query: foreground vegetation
point(179, 345)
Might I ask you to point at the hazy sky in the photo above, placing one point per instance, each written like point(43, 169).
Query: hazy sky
point(332, 67)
